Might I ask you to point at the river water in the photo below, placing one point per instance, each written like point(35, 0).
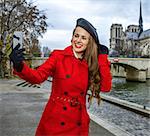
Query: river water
point(131, 91)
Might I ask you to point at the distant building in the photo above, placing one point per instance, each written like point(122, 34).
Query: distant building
point(133, 42)
point(46, 51)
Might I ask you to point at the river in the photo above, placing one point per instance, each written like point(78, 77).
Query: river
point(131, 91)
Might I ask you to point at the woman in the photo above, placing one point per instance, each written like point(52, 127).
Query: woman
point(76, 69)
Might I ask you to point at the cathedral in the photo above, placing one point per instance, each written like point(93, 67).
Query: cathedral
point(133, 42)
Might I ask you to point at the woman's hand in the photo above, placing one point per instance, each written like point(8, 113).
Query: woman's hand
point(17, 58)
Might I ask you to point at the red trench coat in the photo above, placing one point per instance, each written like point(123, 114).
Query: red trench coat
point(65, 113)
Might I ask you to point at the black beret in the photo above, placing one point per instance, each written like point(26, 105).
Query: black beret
point(88, 27)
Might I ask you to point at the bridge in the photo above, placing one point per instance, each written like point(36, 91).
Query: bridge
point(134, 69)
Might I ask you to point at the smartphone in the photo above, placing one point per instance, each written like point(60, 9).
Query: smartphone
point(18, 39)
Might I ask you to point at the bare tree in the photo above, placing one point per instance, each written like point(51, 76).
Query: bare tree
point(18, 15)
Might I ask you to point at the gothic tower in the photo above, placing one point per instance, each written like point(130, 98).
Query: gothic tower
point(115, 35)
point(140, 20)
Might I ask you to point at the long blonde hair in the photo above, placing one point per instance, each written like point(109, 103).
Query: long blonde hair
point(91, 56)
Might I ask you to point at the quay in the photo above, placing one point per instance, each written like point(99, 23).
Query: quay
point(21, 109)
point(143, 110)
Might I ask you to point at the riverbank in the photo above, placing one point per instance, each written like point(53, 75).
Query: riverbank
point(134, 92)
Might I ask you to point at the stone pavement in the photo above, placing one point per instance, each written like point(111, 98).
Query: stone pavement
point(21, 109)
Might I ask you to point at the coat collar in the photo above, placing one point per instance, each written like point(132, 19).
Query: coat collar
point(68, 51)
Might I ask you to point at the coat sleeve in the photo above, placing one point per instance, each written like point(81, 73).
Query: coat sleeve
point(105, 74)
point(39, 75)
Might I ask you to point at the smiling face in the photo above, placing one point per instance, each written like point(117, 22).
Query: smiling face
point(80, 40)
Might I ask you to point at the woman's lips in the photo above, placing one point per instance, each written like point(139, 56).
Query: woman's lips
point(78, 46)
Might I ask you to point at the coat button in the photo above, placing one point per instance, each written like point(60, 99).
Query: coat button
point(82, 93)
point(78, 123)
point(65, 108)
point(65, 93)
point(62, 123)
point(80, 108)
point(68, 76)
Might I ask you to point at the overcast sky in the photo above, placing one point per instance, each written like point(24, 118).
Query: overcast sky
point(62, 16)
